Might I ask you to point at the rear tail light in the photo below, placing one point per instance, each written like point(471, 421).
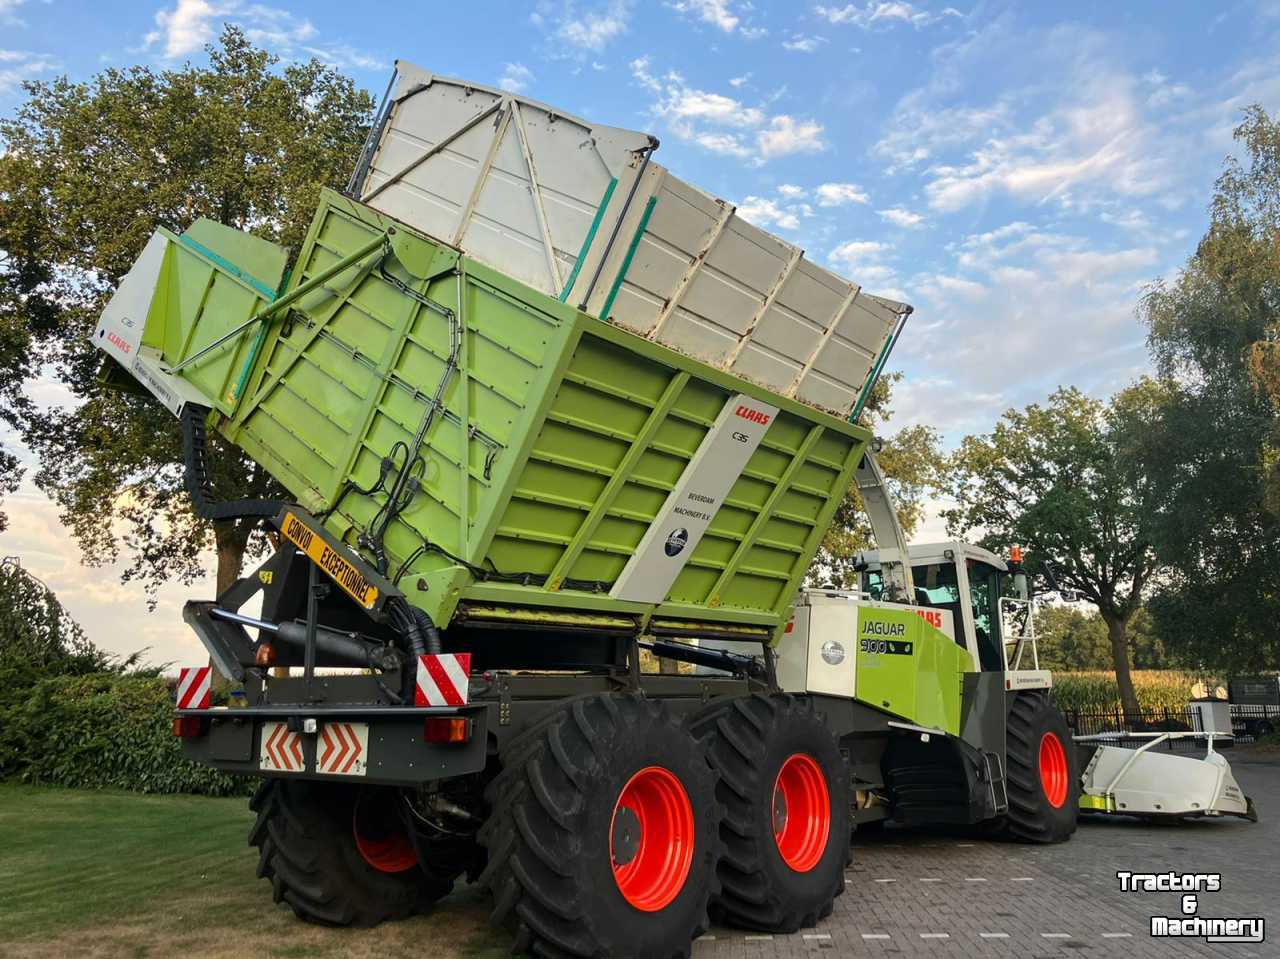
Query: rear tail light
point(446, 729)
point(188, 727)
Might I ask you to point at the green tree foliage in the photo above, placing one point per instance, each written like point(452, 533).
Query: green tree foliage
point(914, 466)
point(1073, 639)
point(87, 172)
point(38, 637)
point(1058, 480)
point(1215, 458)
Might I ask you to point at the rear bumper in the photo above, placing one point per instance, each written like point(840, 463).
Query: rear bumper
point(349, 743)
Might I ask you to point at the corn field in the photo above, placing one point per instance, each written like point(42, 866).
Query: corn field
point(1156, 688)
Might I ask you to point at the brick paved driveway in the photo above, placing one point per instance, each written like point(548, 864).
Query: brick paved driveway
point(914, 894)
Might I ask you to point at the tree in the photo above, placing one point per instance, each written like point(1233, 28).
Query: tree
point(1058, 480)
point(914, 466)
point(1214, 453)
point(1071, 639)
point(87, 172)
point(38, 637)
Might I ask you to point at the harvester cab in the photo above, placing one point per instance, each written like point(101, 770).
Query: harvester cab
point(989, 611)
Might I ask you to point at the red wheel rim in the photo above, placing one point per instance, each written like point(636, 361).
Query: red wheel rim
point(801, 812)
point(651, 837)
point(381, 839)
point(1053, 769)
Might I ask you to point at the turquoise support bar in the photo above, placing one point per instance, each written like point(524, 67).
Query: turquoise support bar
point(631, 252)
point(586, 243)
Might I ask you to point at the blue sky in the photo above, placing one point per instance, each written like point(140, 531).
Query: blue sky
point(1017, 171)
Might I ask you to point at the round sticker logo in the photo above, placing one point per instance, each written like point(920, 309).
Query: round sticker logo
point(677, 539)
point(833, 652)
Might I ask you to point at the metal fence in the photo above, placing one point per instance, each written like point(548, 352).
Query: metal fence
point(1248, 723)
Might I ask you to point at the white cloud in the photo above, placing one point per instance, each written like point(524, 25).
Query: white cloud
point(841, 194)
point(189, 25)
point(592, 30)
point(764, 213)
point(800, 43)
point(18, 66)
point(8, 16)
point(719, 13)
point(857, 251)
point(863, 262)
point(884, 14)
point(736, 82)
point(186, 28)
point(790, 191)
point(787, 135)
point(515, 77)
point(1020, 310)
point(724, 124)
point(1163, 93)
point(342, 56)
point(920, 129)
point(1074, 126)
point(114, 615)
point(901, 218)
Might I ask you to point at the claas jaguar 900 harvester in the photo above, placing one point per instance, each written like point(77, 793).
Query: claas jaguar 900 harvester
point(540, 408)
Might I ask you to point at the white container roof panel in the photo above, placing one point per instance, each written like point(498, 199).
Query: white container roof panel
point(578, 211)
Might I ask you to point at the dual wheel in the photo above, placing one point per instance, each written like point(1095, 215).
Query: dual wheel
point(615, 829)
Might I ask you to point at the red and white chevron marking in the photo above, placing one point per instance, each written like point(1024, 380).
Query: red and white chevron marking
point(442, 679)
point(341, 748)
point(281, 749)
point(195, 687)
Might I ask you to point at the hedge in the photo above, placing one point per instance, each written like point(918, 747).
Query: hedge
point(102, 731)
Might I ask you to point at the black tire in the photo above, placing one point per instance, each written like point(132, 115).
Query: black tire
point(1033, 815)
point(748, 741)
point(549, 835)
point(307, 849)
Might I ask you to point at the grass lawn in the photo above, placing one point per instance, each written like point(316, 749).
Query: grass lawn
point(100, 874)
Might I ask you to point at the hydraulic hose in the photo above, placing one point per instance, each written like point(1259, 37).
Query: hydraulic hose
point(419, 630)
point(196, 475)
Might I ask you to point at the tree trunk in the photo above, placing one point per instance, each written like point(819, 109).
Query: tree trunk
point(1117, 633)
point(230, 541)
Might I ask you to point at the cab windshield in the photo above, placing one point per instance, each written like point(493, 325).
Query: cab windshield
point(937, 586)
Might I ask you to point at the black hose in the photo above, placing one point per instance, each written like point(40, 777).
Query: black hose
point(418, 629)
point(196, 475)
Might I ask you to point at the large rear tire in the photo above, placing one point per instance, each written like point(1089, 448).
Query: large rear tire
point(603, 837)
point(1043, 775)
point(785, 788)
point(338, 855)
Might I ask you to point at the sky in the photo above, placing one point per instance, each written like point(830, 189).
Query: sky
point(1018, 172)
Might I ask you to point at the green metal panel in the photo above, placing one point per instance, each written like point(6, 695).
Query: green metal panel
point(201, 295)
point(909, 668)
point(555, 443)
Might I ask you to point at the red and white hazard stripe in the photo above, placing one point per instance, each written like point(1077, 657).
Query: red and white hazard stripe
point(442, 679)
point(281, 749)
point(195, 687)
point(341, 749)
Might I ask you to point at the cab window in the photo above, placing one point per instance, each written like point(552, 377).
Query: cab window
point(936, 586)
point(984, 590)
